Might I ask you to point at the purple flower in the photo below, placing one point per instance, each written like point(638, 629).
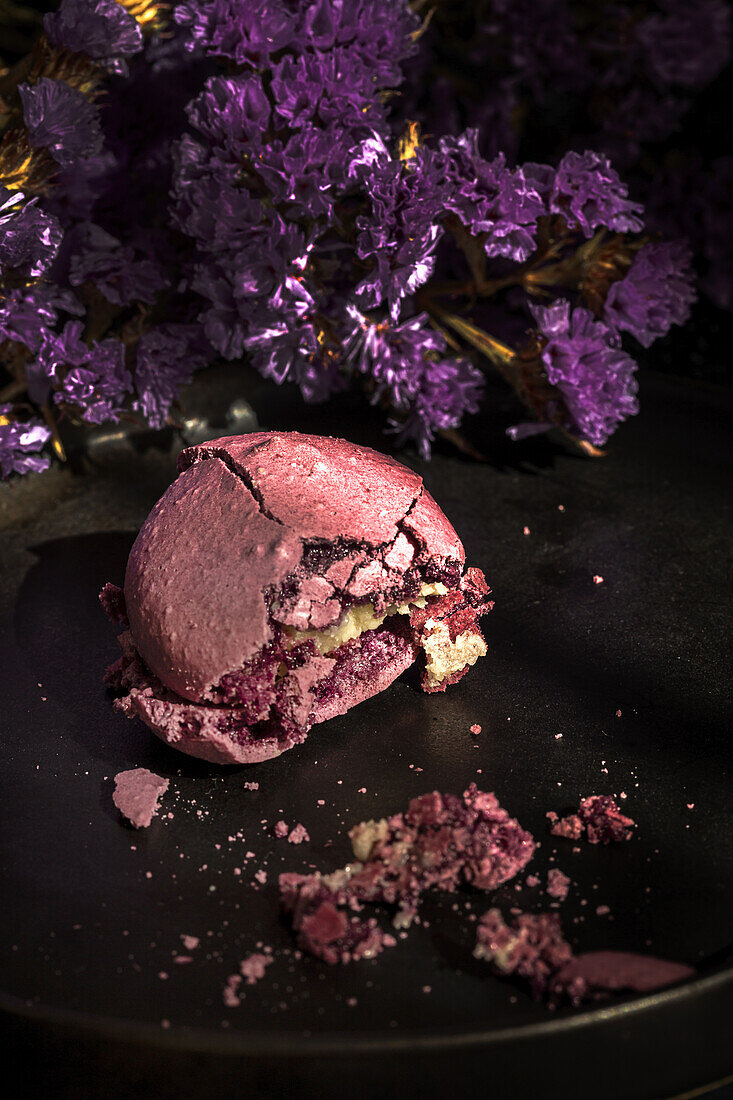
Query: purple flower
point(29, 238)
point(686, 43)
point(656, 293)
point(25, 314)
point(61, 119)
point(290, 341)
point(20, 443)
point(246, 31)
point(120, 275)
point(232, 112)
point(378, 33)
point(399, 233)
point(330, 88)
point(406, 364)
point(98, 387)
point(492, 199)
point(167, 357)
point(593, 377)
point(56, 354)
point(101, 29)
point(588, 193)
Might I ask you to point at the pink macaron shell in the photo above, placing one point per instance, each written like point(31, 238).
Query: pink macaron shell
point(217, 734)
point(323, 488)
point(433, 531)
point(196, 575)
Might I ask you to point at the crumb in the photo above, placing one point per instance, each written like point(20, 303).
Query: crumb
point(598, 817)
point(190, 942)
point(561, 507)
point(137, 795)
point(441, 841)
point(475, 729)
point(525, 530)
point(597, 579)
point(281, 829)
point(533, 947)
point(690, 805)
point(231, 1000)
point(362, 790)
point(558, 884)
point(532, 881)
point(618, 713)
point(298, 834)
point(251, 786)
point(602, 910)
point(261, 876)
point(253, 967)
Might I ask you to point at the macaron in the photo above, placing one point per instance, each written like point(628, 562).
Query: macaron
point(279, 581)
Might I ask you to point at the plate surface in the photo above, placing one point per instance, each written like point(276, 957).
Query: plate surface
point(94, 911)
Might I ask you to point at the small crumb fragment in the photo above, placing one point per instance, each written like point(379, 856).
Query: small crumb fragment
point(602, 910)
point(253, 967)
point(532, 881)
point(558, 884)
point(231, 1000)
point(190, 942)
point(618, 713)
point(261, 876)
point(525, 530)
point(251, 786)
point(475, 729)
point(137, 795)
point(598, 818)
point(281, 829)
point(597, 579)
point(298, 834)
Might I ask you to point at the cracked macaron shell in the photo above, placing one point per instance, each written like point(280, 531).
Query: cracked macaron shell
point(232, 525)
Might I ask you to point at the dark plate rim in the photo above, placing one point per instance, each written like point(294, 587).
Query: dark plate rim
point(299, 1045)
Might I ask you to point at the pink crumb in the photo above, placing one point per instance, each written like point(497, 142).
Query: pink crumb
point(690, 805)
point(231, 1000)
point(261, 876)
point(525, 530)
point(532, 880)
point(298, 834)
point(190, 942)
point(558, 884)
point(253, 967)
point(601, 910)
point(249, 786)
point(281, 829)
point(137, 795)
point(475, 729)
point(362, 790)
point(618, 713)
point(597, 579)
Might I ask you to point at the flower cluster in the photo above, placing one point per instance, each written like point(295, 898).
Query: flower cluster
point(276, 207)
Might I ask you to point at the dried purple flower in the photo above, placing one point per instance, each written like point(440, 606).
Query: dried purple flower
point(25, 314)
point(406, 365)
point(167, 358)
point(29, 238)
point(588, 193)
point(56, 354)
point(490, 199)
point(656, 293)
point(398, 235)
point(101, 29)
point(20, 443)
point(98, 387)
point(247, 33)
point(61, 119)
point(593, 377)
point(120, 275)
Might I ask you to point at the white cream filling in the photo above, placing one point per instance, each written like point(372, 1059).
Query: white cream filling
point(360, 618)
point(445, 656)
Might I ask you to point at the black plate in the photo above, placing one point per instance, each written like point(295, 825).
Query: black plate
point(93, 911)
